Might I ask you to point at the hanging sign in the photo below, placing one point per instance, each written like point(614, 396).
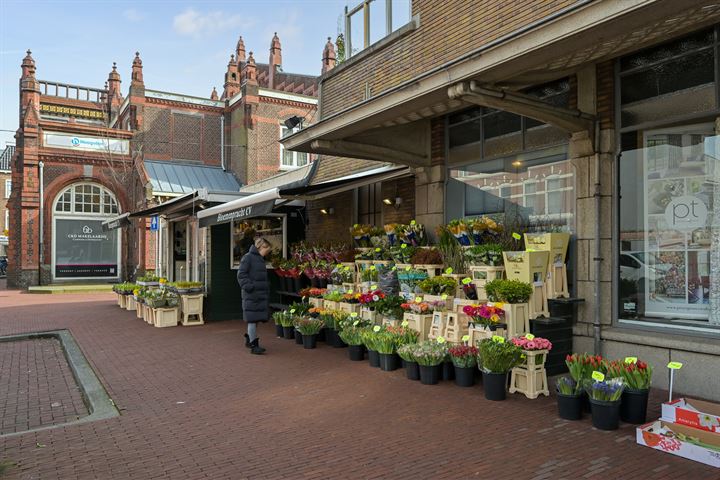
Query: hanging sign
point(256, 210)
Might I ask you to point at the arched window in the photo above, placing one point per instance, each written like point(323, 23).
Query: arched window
point(86, 198)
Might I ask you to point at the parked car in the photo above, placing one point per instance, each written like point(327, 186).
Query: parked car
point(641, 266)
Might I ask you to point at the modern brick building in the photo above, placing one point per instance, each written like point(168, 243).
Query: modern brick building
point(86, 155)
point(599, 118)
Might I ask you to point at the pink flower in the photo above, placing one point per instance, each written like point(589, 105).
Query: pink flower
point(530, 345)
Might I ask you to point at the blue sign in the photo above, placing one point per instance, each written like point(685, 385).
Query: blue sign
point(154, 223)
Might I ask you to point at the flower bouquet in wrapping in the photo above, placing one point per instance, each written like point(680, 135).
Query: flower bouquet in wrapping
point(361, 235)
point(322, 269)
point(488, 254)
point(460, 231)
point(414, 234)
point(485, 315)
point(390, 231)
point(402, 253)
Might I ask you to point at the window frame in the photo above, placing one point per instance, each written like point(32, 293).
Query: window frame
point(284, 131)
point(364, 6)
point(8, 187)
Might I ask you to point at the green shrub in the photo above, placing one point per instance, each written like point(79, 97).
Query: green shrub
point(438, 286)
point(498, 357)
point(508, 291)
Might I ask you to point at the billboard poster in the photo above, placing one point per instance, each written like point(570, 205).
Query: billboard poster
point(679, 209)
point(83, 249)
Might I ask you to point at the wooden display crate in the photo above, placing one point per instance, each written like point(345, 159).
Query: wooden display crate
point(538, 301)
point(316, 302)
point(130, 303)
point(349, 307)
point(192, 309)
point(530, 379)
point(166, 317)
point(369, 315)
point(455, 327)
point(517, 318)
point(554, 242)
point(528, 267)
point(327, 304)
point(140, 310)
point(438, 323)
point(419, 322)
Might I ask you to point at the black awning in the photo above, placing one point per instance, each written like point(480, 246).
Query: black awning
point(177, 203)
point(116, 222)
point(239, 213)
point(332, 187)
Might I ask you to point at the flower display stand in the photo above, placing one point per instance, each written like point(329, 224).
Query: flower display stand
point(390, 322)
point(478, 333)
point(149, 314)
point(530, 379)
point(348, 286)
point(349, 307)
point(130, 303)
point(455, 327)
point(140, 310)
point(437, 325)
point(166, 317)
point(192, 310)
point(431, 270)
point(517, 318)
point(368, 314)
point(538, 301)
point(481, 275)
point(327, 304)
point(316, 302)
point(438, 298)
point(419, 322)
point(556, 284)
point(528, 267)
point(556, 243)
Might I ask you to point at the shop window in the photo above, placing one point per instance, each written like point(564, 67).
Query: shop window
point(668, 204)
point(244, 233)
point(370, 204)
point(288, 158)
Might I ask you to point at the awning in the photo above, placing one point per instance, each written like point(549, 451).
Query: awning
point(177, 203)
point(116, 222)
point(188, 204)
point(250, 206)
point(349, 182)
point(177, 178)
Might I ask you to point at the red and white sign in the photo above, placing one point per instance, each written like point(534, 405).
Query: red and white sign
point(693, 413)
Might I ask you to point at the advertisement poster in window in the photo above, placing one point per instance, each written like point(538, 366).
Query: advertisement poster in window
point(84, 250)
point(679, 210)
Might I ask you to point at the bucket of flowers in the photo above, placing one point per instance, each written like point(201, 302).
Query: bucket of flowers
point(277, 318)
point(464, 358)
point(496, 358)
point(569, 399)
point(535, 350)
point(369, 337)
point(430, 355)
point(605, 395)
point(637, 376)
point(407, 354)
point(352, 335)
point(309, 328)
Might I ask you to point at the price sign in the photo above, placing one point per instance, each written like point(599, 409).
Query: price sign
point(466, 281)
point(630, 359)
point(440, 340)
point(407, 269)
point(516, 236)
point(376, 328)
point(353, 315)
point(394, 268)
point(498, 339)
point(444, 296)
point(449, 271)
point(372, 267)
point(404, 323)
point(349, 292)
point(530, 336)
point(598, 376)
point(412, 222)
point(377, 249)
point(355, 323)
point(466, 338)
point(373, 287)
point(674, 365)
point(404, 245)
point(418, 299)
point(292, 310)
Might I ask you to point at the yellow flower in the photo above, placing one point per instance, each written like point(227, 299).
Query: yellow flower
point(499, 305)
point(495, 318)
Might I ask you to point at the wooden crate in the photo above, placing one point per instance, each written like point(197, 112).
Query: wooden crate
point(166, 317)
point(192, 309)
point(455, 327)
point(432, 270)
point(527, 267)
point(130, 304)
point(140, 310)
point(349, 307)
point(390, 322)
point(361, 265)
point(530, 379)
point(438, 324)
point(554, 242)
point(349, 286)
point(418, 322)
point(476, 334)
point(327, 304)
point(369, 315)
point(538, 301)
point(316, 302)
point(122, 300)
point(556, 284)
point(482, 275)
point(517, 318)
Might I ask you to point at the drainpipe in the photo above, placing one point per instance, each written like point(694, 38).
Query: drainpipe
point(222, 141)
point(597, 259)
point(41, 244)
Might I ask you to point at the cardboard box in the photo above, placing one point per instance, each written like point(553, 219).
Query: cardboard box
point(693, 413)
point(651, 435)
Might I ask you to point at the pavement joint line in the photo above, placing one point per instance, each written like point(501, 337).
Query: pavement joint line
point(95, 397)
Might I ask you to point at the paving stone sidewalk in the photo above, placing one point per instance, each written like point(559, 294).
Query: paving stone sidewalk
point(194, 404)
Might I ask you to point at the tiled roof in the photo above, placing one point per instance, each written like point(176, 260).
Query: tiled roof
point(6, 156)
point(288, 82)
point(177, 178)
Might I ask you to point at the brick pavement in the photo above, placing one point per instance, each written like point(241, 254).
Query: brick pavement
point(39, 386)
point(194, 404)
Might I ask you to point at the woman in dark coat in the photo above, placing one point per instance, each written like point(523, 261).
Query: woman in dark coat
point(252, 277)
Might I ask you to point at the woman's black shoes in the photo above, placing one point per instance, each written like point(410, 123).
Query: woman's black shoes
point(247, 340)
point(255, 347)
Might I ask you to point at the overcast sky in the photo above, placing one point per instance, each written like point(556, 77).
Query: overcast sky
point(185, 46)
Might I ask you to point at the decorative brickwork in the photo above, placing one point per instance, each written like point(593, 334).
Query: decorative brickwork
point(186, 137)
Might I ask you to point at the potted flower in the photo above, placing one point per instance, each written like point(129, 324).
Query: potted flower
point(407, 354)
point(385, 344)
point(496, 358)
point(287, 321)
point(390, 307)
point(401, 255)
point(581, 366)
point(569, 400)
point(369, 339)
point(535, 349)
point(309, 328)
point(515, 296)
point(353, 336)
point(637, 376)
point(430, 355)
point(605, 398)
point(464, 358)
point(277, 316)
point(530, 377)
point(439, 289)
point(418, 315)
point(487, 317)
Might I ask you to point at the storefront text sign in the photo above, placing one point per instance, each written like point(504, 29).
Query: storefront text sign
point(240, 213)
point(686, 213)
point(93, 144)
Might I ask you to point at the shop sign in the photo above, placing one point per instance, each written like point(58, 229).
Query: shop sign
point(83, 249)
point(240, 213)
point(92, 144)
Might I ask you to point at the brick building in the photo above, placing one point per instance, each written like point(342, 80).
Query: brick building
point(87, 155)
point(5, 188)
point(552, 109)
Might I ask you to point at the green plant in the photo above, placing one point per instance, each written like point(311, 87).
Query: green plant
point(368, 338)
point(430, 353)
point(606, 391)
point(352, 334)
point(463, 356)
point(370, 274)
point(438, 286)
point(390, 306)
point(567, 386)
point(402, 253)
point(299, 308)
point(451, 251)
point(488, 254)
point(407, 352)
point(498, 356)
point(185, 285)
point(385, 342)
point(308, 325)
point(333, 296)
point(148, 277)
point(508, 291)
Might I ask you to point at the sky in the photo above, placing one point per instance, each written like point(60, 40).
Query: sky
point(184, 46)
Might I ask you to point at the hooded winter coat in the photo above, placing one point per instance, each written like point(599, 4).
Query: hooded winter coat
point(252, 277)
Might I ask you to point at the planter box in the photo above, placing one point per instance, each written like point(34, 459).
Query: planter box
point(438, 323)
point(531, 378)
point(455, 327)
point(432, 270)
point(517, 318)
point(538, 301)
point(419, 323)
point(370, 315)
point(331, 305)
point(349, 307)
point(556, 243)
point(316, 302)
point(481, 275)
point(166, 317)
point(140, 310)
point(528, 267)
point(477, 334)
point(130, 303)
point(360, 266)
point(692, 413)
point(651, 435)
point(348, 286)
point(192, 309)
point(390, 322)
point(122, 300)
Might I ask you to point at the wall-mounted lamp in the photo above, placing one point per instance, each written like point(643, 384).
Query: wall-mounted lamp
point(293, 122)
point(327, 211)
point(396, 203)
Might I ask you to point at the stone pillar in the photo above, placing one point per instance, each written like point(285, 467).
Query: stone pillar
point(430, 197)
